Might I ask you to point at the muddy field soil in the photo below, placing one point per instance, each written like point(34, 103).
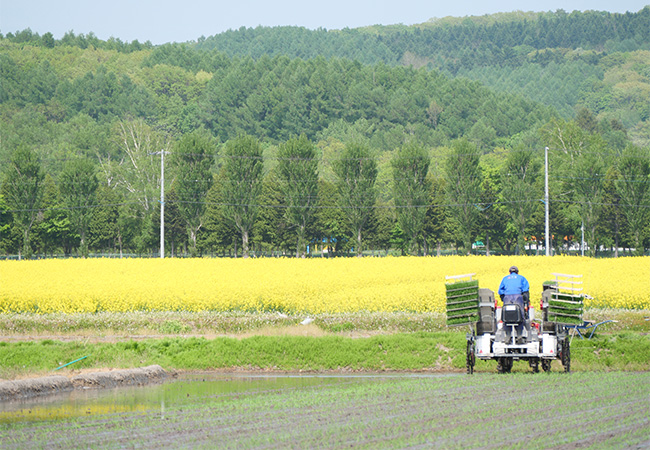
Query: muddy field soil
point(579, 410)
point(52, 385)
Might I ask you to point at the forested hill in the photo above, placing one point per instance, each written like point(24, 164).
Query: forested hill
point(569, 61)
point(46, 91)
point(451, 45)
point(275, 82)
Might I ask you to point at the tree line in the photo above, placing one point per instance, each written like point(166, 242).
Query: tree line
point(299, 197)
point(350, 154)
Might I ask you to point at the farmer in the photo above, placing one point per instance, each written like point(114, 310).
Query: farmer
point(514, 288)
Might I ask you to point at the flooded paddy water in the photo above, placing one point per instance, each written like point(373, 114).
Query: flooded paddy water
point(246, 411)
point(183, 390)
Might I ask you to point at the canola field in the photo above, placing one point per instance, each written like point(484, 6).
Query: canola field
point(295, 285)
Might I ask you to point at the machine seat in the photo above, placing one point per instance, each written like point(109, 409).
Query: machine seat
point(512, 313)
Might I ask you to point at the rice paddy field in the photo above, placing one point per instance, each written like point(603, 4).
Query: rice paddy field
point(452, 411)
point(309, 286)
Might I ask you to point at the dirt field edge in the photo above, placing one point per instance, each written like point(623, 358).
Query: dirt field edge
point(36, 387)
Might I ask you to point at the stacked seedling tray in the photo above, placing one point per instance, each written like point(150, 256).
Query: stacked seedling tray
point(462, 300)
point(565, 304)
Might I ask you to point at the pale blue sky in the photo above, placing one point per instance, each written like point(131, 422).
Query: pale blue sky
point(161, 21)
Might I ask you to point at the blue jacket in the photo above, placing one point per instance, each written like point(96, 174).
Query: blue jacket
point(513, 284)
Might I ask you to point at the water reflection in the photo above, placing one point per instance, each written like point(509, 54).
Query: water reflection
point(186, 389)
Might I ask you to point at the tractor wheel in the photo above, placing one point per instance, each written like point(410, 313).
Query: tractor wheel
point(504, 365)
point(534, 364)
point(566, 355)
point(546, 365)
point(471, 358)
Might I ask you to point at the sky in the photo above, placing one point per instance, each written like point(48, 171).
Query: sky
point(162, 21)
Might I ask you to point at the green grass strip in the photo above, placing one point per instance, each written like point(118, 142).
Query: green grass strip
point(404, 351)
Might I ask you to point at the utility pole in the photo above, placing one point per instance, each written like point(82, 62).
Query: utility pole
point(162, 201)
point(547, 244)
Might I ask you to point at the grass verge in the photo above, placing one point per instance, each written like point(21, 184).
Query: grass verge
point(435, 351)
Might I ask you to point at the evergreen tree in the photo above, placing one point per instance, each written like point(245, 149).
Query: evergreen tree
point(331, 227)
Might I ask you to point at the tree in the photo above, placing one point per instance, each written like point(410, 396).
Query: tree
point(192, 158)
point(410, 166)
point(52, 230)
point(581, 160)
point(463, 186)
point(633, 187)
point(436, 225)
point(357, 172)
point(137, 171)
point(136, 177)
point(271, 230)
point(102, 229)
point(612, 225)
point(298, 170)
point(78, 185)
point(520, 196)
point(242, 177)
point(331, 225)
point(23, 191)
point(217, 233)
point(493, 223)
point(5, 226)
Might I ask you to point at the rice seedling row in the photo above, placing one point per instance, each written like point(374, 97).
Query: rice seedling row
point(606, 410)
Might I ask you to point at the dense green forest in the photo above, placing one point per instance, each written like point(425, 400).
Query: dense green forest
point(407, 139)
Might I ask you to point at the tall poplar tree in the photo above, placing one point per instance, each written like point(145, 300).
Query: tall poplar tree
point(357, 172)
point(298, 170)
point(410, 190)
point(192, 157)
point(78, 185)
point(633, 187)
point(242, 177)
point(520, 196)
point(463, 186)
point(23, 191)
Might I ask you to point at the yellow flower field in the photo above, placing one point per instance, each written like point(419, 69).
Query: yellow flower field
point(295, 285)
